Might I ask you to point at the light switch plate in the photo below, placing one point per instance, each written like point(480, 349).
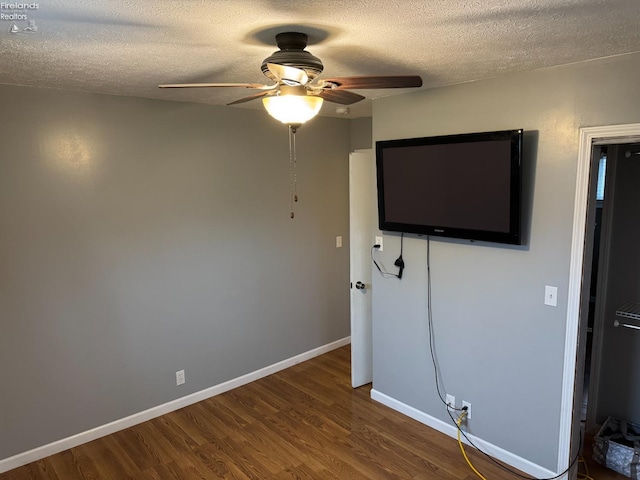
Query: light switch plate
point(551, 296)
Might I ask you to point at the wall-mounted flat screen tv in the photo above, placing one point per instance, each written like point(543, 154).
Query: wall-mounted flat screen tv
point(460, 186)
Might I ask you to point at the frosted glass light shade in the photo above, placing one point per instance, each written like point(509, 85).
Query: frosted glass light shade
point(292, 109)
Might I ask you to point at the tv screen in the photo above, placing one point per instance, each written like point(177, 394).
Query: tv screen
point(459, 186)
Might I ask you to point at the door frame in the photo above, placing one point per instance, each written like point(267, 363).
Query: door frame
point(589, 136)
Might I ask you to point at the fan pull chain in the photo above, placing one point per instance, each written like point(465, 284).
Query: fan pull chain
point(295, 168)
point(293, 197)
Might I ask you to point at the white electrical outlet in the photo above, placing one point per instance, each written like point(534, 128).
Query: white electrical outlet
point(180, 377)
point(339, 241)
point(379, 242)
point(468, 405)
point(451, 402)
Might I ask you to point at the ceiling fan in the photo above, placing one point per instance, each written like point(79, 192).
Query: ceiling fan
point(295, 74)
point(297, 92)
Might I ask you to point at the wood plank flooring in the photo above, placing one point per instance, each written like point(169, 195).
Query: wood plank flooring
point(305, 422)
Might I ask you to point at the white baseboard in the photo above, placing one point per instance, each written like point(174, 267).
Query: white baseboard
point(448, 429)
point(117, 425)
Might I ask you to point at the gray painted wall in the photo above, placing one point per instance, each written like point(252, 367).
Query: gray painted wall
point(619, 394)
point(361, 133)
point(498, 345)
point(140, 237)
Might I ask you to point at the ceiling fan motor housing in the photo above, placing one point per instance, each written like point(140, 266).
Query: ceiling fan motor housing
point(292, 53)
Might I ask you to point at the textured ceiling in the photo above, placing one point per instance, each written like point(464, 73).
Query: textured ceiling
point(128, 47)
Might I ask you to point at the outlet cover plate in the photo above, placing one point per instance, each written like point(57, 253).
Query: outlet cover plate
point(551, 296)
point(451, 402)
point(468, 405)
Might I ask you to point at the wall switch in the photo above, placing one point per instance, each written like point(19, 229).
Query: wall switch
point(379, 242)
point(468, 405)
point(551, 296)
point(339, 241)
point(451, 402)
point(180, 377)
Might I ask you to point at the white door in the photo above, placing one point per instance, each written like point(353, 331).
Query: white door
point(362, 212)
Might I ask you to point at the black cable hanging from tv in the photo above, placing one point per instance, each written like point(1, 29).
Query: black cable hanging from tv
point(398, 263)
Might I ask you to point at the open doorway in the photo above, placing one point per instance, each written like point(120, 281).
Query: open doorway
point(610, 373)
point(575, 337)
point(606, 380)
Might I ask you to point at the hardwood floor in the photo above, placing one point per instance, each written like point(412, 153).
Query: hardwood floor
point(305, 422)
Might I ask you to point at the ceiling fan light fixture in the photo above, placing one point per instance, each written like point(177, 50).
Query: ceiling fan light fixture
point(292, 109)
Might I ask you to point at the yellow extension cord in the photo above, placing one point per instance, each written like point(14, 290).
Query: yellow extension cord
point(464, 454)
point(584, 476)
point(581, 476)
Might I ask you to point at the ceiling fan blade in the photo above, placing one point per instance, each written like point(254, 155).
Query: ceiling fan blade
point(374, 81)
point(289, 75)
point(259, 86)
point(343, 97)
point(250, 97)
